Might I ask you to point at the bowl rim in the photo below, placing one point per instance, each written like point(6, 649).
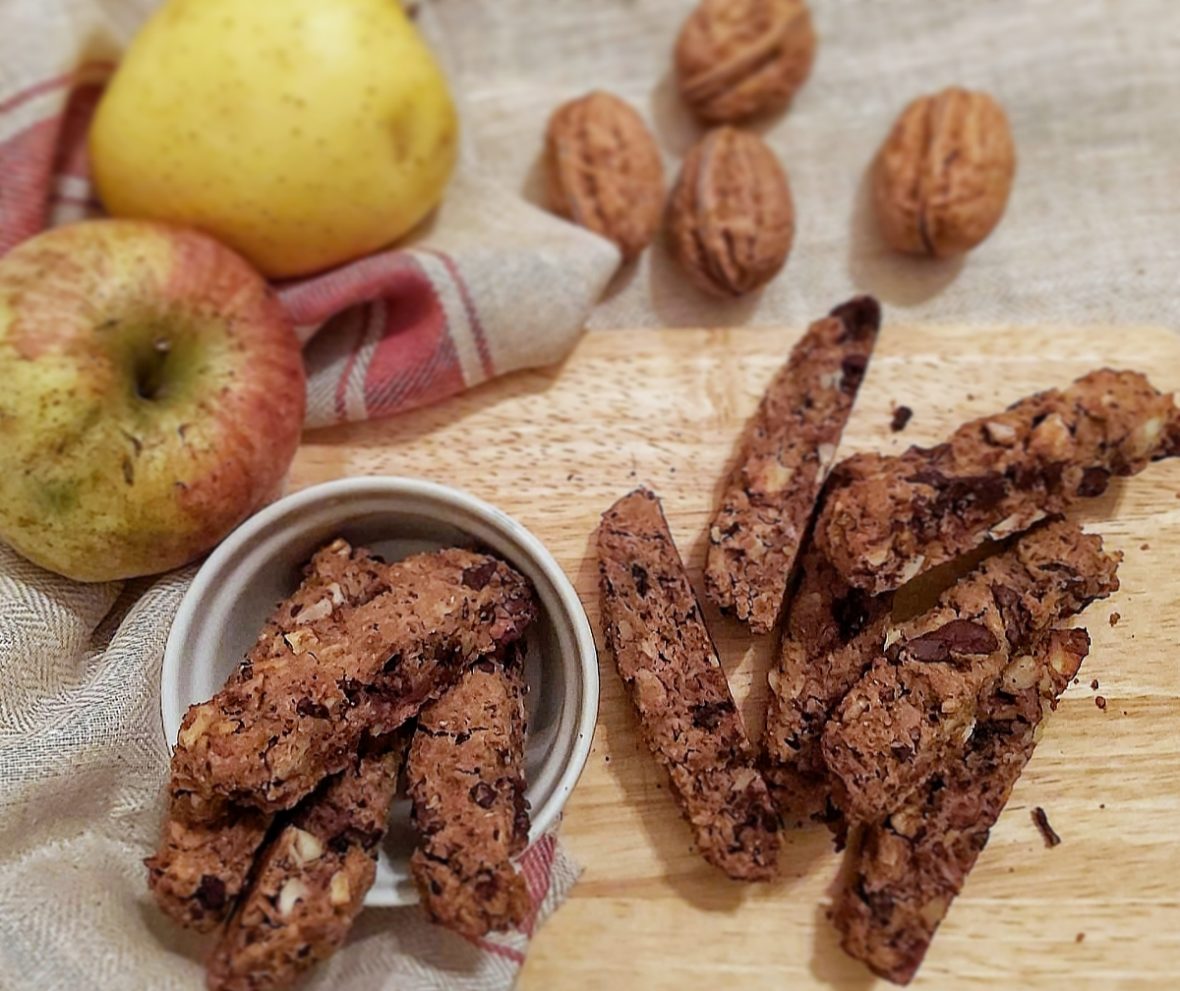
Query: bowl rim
point(210, 572)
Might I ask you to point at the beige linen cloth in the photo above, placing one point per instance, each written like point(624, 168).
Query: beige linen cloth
point(1092, 231)
point(1092, 235)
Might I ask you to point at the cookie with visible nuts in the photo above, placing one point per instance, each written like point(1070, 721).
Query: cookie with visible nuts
point(310, 882)
point(941, 179)
point(900, 516)
point(832, 633)
point(604, 170)
point(789, 446)
point(909, 868)
point(207, 846)
point(443, 611)
point(654, 627)
point(465, 774)
point(731, 219)
point(737, 59)
point(918, 703)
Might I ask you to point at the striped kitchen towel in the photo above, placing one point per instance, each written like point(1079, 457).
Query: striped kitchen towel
point(494, 285)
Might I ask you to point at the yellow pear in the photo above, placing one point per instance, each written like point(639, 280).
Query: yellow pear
point(303, 133)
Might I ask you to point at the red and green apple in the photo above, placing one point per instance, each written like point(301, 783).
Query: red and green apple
point(151, 397)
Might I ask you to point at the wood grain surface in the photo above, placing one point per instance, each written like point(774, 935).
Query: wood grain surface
point(555, 447)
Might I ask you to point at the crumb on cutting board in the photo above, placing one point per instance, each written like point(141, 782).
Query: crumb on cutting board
point(1094, 684)
point(901, 416)
point(1042, 823)
point(1114, 619)
point(1100, 701)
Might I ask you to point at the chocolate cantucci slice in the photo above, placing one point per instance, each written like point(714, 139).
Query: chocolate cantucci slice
point(666, 658)
point(831, 636)
point(311, 880)
point(995, 476)
point(269, 739)
point(918, 703)
point(788, 448)
point(466, 780)
point(910, 867)
point(207, 845)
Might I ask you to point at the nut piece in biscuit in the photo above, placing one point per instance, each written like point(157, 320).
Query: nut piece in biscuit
point(604, 170)
point(941, 179)
point(737, 59)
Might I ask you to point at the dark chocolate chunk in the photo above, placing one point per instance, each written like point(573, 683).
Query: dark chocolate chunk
point(1013, 611)
point(978, 491)
point(901, 751)
point(1094, 482)
point(520, 810)
point(959, 636)
point(211, 892)
point(478, 576)
point(309, 707)
point(851, 612)
point(708, 715)
point(351, 688)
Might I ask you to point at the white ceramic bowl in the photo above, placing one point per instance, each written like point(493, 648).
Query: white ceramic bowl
point(259, 564)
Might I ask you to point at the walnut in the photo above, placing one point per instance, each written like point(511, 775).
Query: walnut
point(941, 179)
point(731, 220)
point(294, 890)
point(202, 718)
point(737, 59)
point(339, 892)
point(302, 640)
point(999, 432)
point(305, 847)
point(1021, 674)
point(320, 609)
point(604, 170)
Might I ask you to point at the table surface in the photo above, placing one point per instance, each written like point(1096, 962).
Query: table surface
point(556, 447)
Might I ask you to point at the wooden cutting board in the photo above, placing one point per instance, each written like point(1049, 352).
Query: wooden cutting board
point(555, 447)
